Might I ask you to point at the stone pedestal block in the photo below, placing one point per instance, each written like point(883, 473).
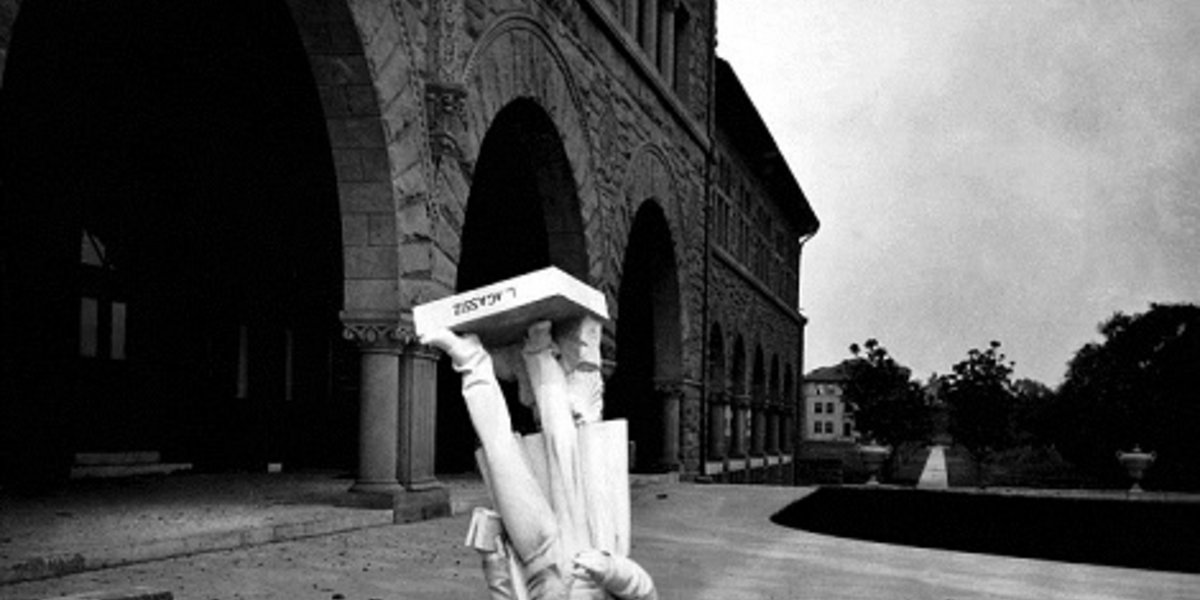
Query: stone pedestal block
point(421, 505)
point(417, 418)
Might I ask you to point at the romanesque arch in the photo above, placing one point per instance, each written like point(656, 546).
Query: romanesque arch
point(179, 245)
point(758, 400)
point(774, 412)
point(740, 402)
point(523, 213)
point(518, 59)
point(789, 410)
point(648, 175)
point(362, 62)
point(646, 387)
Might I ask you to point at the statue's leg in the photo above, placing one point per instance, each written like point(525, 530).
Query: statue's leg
point(553, 401)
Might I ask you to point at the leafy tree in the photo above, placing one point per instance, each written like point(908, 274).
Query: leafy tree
point(1033, 413)
point(888, 406)
point(1138, 386)
point(981, 399)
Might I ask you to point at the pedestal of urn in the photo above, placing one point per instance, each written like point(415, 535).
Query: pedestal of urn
point(1136, 462)
point(873, 455)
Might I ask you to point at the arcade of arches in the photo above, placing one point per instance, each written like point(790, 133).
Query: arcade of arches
point(218, 216)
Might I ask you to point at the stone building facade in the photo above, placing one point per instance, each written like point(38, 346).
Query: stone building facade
point(218, 216)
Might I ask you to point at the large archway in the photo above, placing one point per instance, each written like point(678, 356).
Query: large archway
point(646, 385)
point(523, 213)
point(718, 398)
point(758, 404)
point(739, 417)
point(172, 254)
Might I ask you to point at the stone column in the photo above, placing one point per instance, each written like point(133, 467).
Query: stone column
point(669, 394)
point(773, 418)
point(666, 42)
point(759, 428)
point(788, 429)
point(379, 383)
point(716, 425)
point(417, 418)
point(649, 30)
point(690, 426)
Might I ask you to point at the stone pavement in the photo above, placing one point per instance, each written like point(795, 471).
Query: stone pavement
point(94, 524)
point(933, 476)
point(698, 541)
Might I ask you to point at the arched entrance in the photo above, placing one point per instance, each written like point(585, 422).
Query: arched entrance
point(523, 213)
point(646, 385)
point(789, 411)
point(773, 408)
point(718, 399)
point(758, 405)
point(172, 254)
point(739, 425)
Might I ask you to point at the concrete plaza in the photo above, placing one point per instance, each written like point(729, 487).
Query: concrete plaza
point(698, 541)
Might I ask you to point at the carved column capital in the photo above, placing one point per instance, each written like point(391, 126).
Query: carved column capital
point(672, 388)
point(374, 335)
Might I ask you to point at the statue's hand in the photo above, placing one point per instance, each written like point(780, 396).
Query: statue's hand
point(593, 564)
point(618, 575)
point(460, 348)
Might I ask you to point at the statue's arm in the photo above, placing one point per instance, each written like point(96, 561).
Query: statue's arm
point(527, 516)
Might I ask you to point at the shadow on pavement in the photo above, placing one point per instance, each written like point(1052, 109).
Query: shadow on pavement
point(1157, 532)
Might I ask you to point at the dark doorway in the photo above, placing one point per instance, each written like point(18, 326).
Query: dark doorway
point(172, 256)
point(648, 343)
point(522, 214)
point(718, 399)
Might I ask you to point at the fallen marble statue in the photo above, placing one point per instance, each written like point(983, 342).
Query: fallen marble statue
point(561, 524)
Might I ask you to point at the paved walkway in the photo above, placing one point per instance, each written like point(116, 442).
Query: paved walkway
point(698, 541)
point(103, 523)
point(933, 476)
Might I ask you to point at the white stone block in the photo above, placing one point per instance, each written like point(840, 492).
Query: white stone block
point(501, 312)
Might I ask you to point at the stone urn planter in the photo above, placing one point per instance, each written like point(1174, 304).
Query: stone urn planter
point(1136, 462)
point(873, 455)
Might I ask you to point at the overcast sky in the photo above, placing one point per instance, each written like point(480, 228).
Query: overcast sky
point(1016, 171)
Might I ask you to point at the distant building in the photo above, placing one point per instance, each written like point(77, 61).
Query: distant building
point(827, 416)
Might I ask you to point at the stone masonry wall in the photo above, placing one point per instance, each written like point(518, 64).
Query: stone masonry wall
point(624, 141)
point(409, 89)
point(740, 309)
